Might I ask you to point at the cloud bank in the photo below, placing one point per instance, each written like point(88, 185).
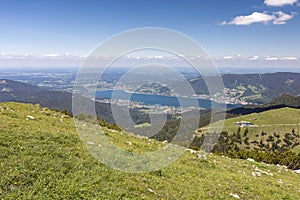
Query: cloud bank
point(277, 18)
point(65, 60)
point(280, 3)
point(259, 58)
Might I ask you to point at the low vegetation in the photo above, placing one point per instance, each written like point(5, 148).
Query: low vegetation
point(42, 157)
point(274, 139)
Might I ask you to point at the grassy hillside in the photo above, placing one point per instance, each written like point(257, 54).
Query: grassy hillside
point(278, 120)
point(42, 157)
point(273, 130)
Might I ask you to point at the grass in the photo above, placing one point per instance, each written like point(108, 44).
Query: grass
point(277, 121)
point(44, 158)
point(282, 120)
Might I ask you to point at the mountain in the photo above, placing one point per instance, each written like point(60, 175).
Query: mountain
point(13, 91)
point(281, 101)
point(42, 157)
point(286, 100)
point(255, 88)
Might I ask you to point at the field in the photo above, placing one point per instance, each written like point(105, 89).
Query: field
point(42, 157)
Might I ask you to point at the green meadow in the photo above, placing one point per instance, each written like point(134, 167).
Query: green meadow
point(42, 157)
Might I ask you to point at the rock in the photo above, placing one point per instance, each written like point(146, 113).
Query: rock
point(29, 117)
point(297, 171)
point(192, 151)
point(259, 172)
point(234, 196)
point(250, 159)
point(202, 156)
point(256, 174)
point(150, 190)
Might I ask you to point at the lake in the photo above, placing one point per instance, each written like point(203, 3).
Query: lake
point(150, 99)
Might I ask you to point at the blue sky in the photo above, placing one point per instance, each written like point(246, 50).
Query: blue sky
point(230, 30)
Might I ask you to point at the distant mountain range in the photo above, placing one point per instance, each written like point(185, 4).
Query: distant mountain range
point(283, 86)
point(255, 88)
point(285, 100)
point(13, 91)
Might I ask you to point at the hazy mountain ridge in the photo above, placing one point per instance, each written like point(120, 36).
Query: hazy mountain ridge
point(287, 100)
point(282, 101)
point(13, 91)
point(256, 88)
point(22, 92)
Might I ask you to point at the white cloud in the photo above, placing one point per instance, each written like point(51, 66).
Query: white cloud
point(255, 17)
point(282, 17)
point(14, 56)
point(276, 18)
point(280, 3)
point(229, 57)
point(254, 58)
point(257, 58)
point(39, 57)
point(51, 55)
point(289, 58)
point(271, 58)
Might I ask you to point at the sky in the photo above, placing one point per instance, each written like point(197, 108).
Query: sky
point(235, 33)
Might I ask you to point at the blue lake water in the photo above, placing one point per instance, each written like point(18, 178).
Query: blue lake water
point(149, 99)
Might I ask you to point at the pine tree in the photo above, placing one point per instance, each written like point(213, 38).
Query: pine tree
point(246, 132)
